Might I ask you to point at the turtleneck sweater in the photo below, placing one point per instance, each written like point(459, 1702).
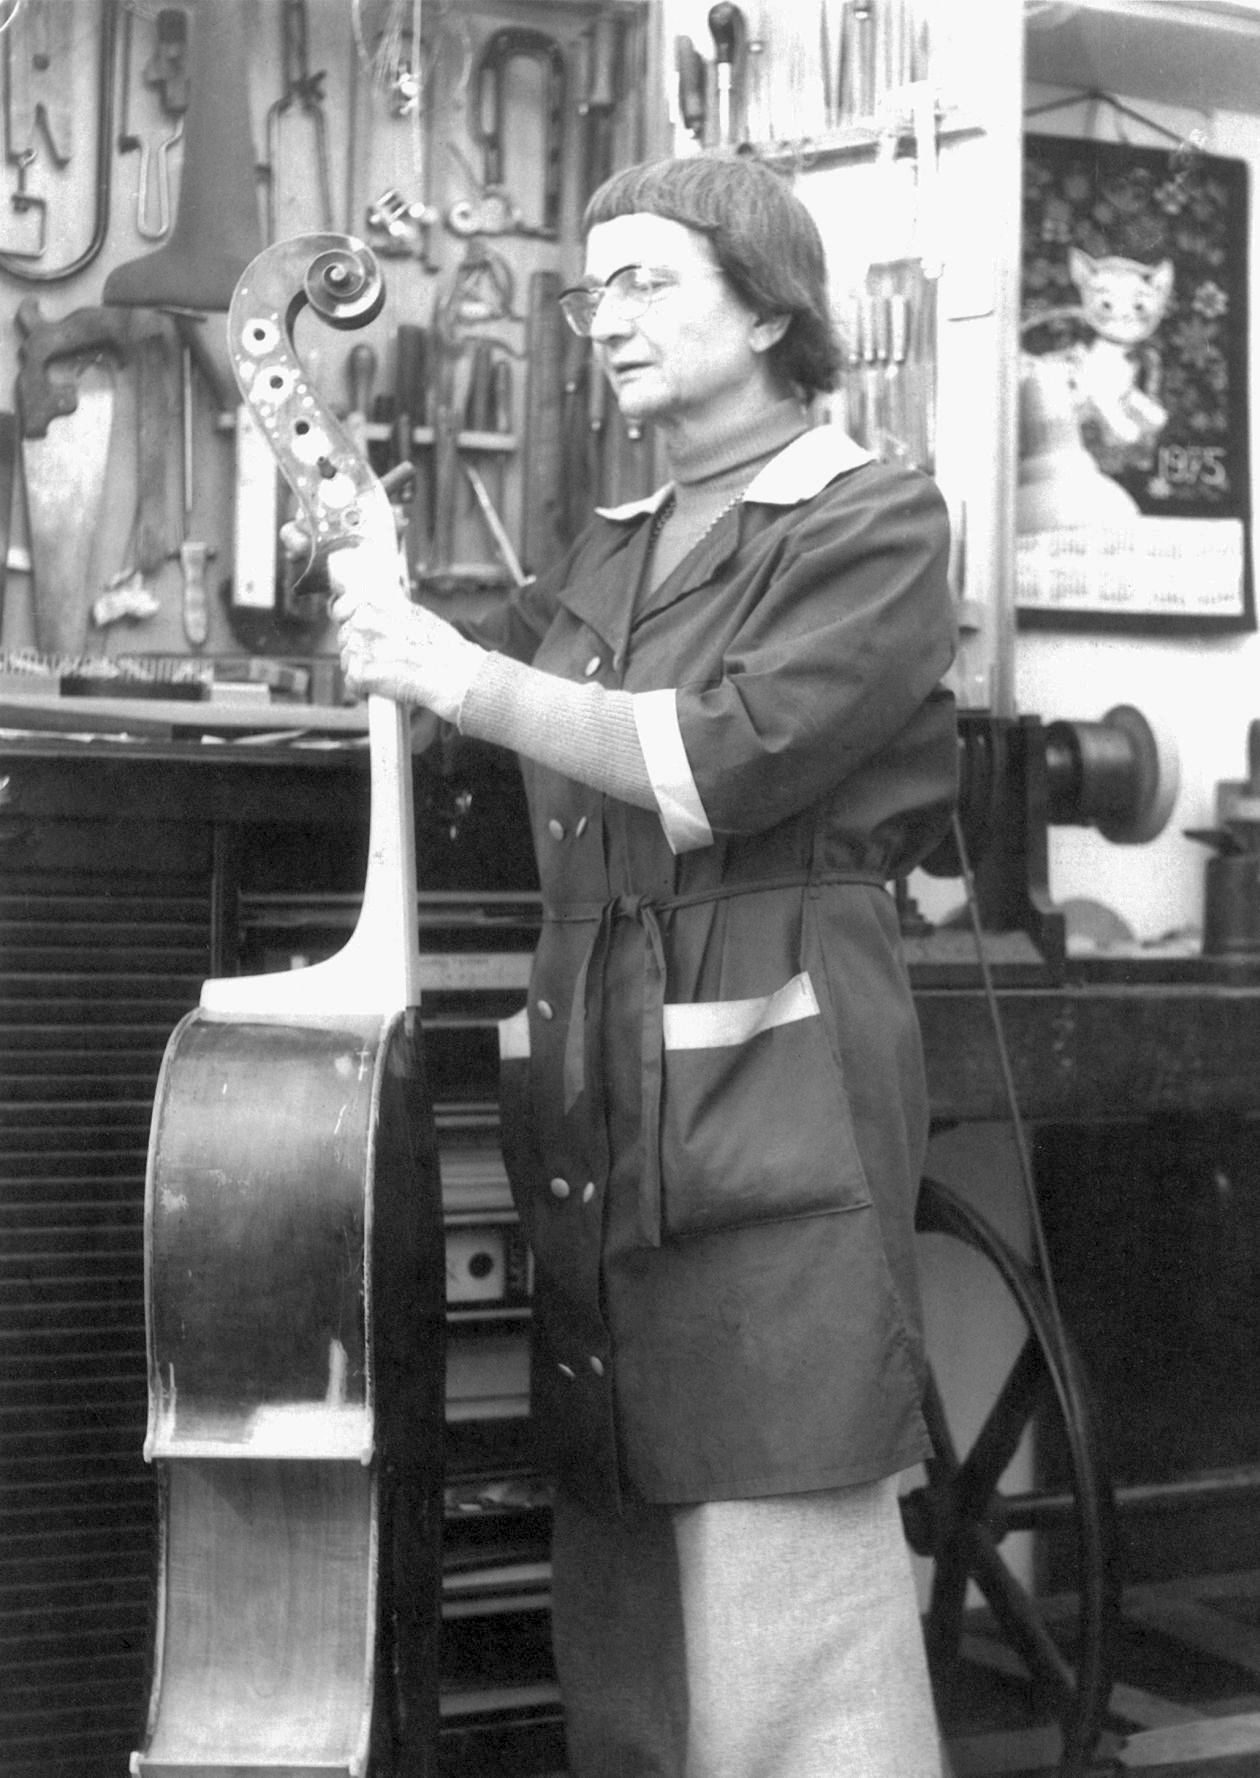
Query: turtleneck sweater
point(710, 477)
point(586, 731)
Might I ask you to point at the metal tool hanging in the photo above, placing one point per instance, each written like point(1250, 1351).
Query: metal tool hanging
point(499, 211)
point(303, 95)
point(166, 73)
point(406, 83)
point(729, 31)
point(449, 342)
point(38, 118)
point(36, 48)
point(798, 75)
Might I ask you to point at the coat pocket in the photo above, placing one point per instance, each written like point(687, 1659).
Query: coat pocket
point(755, 1121)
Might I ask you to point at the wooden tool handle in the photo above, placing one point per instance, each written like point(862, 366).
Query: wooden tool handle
point(41, 395)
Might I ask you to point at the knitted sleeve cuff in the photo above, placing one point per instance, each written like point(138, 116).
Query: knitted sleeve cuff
point(583, 731)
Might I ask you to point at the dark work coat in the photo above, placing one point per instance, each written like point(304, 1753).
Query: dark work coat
point(715, 1109)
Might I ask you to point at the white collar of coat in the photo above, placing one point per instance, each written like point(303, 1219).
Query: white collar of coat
point(800, 470)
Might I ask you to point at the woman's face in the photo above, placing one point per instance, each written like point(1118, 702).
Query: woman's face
point(696, 352)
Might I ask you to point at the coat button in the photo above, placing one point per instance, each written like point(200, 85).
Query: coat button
point(597, 1365)
point(546, 1010)
point(588, 1191)
point(592, 666)
point(582, 825)
point(555, 828)
point(559, 1188)
point(566, 1370)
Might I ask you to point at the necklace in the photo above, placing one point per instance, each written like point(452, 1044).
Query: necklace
point(659, 519)
point(665, 511)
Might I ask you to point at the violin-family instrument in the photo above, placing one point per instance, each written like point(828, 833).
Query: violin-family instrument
point(294, 1249)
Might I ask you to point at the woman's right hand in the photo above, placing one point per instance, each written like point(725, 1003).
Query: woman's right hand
point(390, 647)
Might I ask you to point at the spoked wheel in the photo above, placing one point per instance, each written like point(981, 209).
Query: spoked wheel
point(961, 1516)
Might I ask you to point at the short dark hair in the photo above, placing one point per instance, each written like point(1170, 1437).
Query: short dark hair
point(764, 239)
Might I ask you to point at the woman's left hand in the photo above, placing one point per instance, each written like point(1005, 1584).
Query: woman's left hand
point(390, 647)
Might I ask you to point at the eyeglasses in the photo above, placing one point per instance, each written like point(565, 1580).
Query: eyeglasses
point(634, 288)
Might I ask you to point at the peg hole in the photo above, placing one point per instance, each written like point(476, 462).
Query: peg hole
point(260, 337)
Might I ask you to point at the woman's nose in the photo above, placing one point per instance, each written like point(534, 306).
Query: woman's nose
point(609, 321)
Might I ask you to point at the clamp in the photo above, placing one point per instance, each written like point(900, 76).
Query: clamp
point(501, 49)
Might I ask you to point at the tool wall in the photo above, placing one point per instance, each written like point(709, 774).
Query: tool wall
point(151, 150)
point(898, 122)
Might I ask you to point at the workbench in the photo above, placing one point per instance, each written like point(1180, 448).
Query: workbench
point(1111, 1042)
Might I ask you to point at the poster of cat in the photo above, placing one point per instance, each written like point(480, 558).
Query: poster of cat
point(1132, 503)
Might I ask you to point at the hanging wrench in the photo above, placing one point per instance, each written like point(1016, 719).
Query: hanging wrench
point(502, 48)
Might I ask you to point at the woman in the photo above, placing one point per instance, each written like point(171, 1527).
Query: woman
point(728, 706)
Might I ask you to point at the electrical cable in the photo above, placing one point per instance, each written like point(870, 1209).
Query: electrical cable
point(1040, 1245)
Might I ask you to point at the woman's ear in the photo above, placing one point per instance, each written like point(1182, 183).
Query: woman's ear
point(769, 332)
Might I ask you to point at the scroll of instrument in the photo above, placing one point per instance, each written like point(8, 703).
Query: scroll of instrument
point(294, 1250)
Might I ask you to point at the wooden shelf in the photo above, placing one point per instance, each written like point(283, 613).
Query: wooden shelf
point(857, 142)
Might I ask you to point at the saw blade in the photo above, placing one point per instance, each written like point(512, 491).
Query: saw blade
point(64, 473)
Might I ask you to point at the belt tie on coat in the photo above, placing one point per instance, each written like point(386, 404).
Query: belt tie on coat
point(586, 1013)
point(586, 1025)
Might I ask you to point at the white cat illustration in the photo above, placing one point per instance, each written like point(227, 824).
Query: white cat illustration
point(1117, 373)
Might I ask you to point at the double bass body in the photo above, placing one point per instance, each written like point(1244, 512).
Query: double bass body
point(295, 1262)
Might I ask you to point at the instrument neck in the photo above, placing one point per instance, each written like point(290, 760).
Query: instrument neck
point(387, 929)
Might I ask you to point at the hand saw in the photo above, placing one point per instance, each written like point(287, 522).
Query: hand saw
point(65, 399)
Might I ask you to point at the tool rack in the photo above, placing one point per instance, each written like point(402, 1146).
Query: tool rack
point(462, 158)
